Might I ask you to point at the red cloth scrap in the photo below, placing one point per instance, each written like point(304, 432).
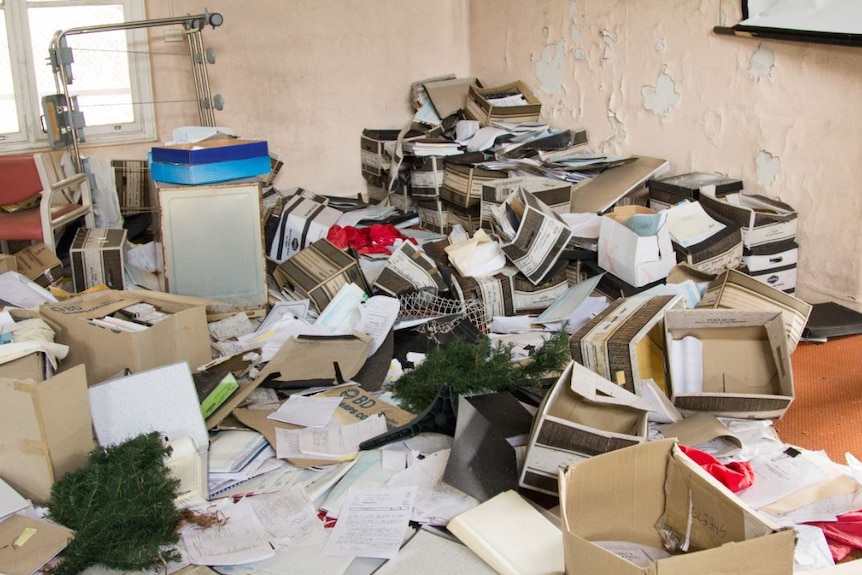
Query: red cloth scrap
point(374, 239)
point(736, 475)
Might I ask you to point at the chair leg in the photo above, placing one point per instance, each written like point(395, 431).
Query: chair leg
point(4, 246)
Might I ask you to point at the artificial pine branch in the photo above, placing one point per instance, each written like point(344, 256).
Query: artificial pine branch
point(121, 507)
point(480, 367)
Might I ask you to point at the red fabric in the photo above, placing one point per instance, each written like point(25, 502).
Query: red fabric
point(736, 475)
point(842, 535)
point(371, 240)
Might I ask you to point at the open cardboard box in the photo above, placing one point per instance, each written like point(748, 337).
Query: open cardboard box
point(745, 362)
point(625, 494)
point(635, 259)
point(181, 336)
point(582, 415)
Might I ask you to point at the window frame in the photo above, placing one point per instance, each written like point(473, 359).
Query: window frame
point(28, 102)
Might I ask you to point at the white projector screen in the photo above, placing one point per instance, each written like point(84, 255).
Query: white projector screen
point(822, 21)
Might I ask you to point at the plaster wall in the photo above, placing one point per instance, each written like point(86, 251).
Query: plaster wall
point(642, 76)
point(651, 78)
point(307, 76)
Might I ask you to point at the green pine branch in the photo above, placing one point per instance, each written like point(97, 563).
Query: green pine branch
point(471, 368)
point(121, 507)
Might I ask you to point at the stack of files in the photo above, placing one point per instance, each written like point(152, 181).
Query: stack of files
point(432, 147)
point(237, 455)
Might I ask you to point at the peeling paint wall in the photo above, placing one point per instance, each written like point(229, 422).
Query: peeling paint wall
point(651, 78)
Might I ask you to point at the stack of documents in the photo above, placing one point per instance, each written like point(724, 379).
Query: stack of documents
point(237, 455)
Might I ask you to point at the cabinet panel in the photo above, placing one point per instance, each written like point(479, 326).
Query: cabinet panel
point(212, 242)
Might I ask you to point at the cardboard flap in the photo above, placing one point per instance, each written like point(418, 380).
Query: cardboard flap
point(699, 429)
point(698, 504)
point(595, 388)
point(600, 193)
point(309, 358)
point(95, 305)
point(449, 96)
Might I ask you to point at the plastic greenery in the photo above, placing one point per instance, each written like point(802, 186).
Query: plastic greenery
point(121, 507)
point(470, 368)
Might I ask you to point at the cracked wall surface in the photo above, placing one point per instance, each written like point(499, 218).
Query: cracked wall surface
point(651, 78)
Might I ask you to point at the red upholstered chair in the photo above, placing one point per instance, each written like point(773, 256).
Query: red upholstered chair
point(61, 200)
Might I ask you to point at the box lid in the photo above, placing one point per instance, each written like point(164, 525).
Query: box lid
point(209, 151)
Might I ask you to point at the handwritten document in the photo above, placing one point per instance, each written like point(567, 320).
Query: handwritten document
point(372, 523)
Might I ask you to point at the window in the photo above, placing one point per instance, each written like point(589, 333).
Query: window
point(110, 71)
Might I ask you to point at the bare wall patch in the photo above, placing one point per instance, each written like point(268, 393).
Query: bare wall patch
point(768, 167)
point(550, 67)
point(762, 62)
point(661, 97)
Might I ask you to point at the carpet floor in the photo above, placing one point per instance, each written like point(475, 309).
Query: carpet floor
point(826, 413)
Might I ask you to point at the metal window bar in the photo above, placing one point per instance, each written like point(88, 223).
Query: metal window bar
point(61, 59)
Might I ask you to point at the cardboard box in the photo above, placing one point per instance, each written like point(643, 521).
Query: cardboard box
point(31, 366)
point(462, 183)
point(7, 263)
point(377, 188)
point(376, 150)
point(625, 343)
point(97, 258)
point(469, 217)
point(493, 291)
point(433, 215)
point(38, 263)
point(541, 235)
point(763, 219)
point(721, 251)
point(555, 194)
point(45, 431)
point(409, 269)
point(729, 363)
point(635, 259)
point(193, 174)
point(426, 177)
point(624, 494)
point(735, 290)
point(303, 221)
point(672, 189)
point(181, 336)
point(318, 272)
point(211, 152)
point(530, 298)
point(773, 264)
point(133, 186)
point(582, 415)
point(494, 104)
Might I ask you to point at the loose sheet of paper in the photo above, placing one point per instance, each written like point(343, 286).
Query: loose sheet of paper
point(306, 411)
point(289, 516)
point(338, 442)
point(372, 523)
point(779, 474)
point(686, 364)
